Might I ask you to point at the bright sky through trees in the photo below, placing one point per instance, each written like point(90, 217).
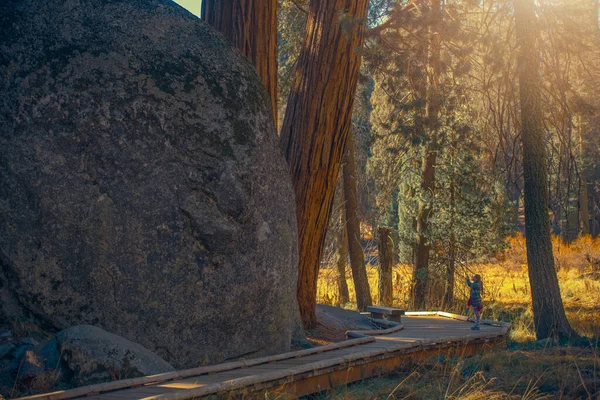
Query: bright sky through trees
point(192, 6)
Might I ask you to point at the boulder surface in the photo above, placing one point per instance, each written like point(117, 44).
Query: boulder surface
point(93, 355)
point(142, 189)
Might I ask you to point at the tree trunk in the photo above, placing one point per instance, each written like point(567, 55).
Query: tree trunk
point(448, 299)
point(357, 257)
point(548, 310)
point(251, 25)
point(422, 247)
point(596, 19)
point(584, 209)
point(316, 126)
point(342, 258)
point(593, 224)
point(451, 267)
point(386, 250)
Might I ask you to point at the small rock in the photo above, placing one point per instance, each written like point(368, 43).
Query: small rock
point(94, 355)
point(6, 350)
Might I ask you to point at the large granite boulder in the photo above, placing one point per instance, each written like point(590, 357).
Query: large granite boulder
point(142, 187)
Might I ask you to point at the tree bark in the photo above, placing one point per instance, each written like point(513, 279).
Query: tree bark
point(357, 257)
point(584, 210)
point(386, 249)
point(593, 223)
point(316, 126)
point(596, 19)
point(342, 258)
point(422, 247)
point(548, 310)
point(251, 25)
point(451, 267)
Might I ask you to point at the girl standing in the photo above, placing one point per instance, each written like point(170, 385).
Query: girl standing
point(475, 298)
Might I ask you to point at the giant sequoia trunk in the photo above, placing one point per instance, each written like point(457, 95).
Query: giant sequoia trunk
point(386, 249)
point(357, 257)
point(422, 247)
point(251, 25)
point(548, 310)
point(316, 125)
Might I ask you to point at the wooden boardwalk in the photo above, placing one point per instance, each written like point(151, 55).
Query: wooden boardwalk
point(424, 335)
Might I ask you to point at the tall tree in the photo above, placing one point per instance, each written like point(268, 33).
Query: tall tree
point(548, 309)
point(342, 248)
point(385, 248)
point(316, 125)
point(584, 211)
point(422, 248)
point(251, 25)
point(357, 256)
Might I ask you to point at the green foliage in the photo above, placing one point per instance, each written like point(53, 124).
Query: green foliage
point(468, 203)
point(290, 36)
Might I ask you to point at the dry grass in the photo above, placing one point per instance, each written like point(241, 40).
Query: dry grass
point(22, 329)
point(561, 373)
point(526, 369)
point(507, 294)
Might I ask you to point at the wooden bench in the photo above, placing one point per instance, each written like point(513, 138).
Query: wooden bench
point(389, 313)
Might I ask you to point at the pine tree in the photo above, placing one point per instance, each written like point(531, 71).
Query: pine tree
point(548, 310)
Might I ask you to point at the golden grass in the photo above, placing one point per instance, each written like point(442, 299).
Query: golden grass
point(507, 294)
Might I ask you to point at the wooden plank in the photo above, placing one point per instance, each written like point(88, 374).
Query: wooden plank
point(185, 384)
point(378, 332)
point(131, 393)
point(199, 380)
point(385, 310)
point(120, 395)
point(420, 313)
point(385, 322)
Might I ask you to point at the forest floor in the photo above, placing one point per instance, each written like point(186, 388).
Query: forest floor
point(526, 368)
